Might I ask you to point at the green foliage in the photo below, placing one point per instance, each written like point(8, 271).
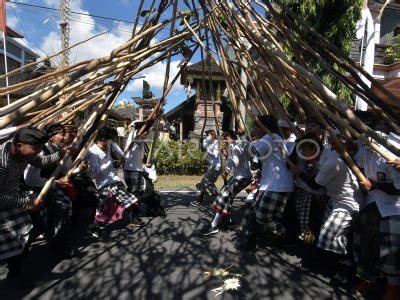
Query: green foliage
point(335, 20)
point(392, 53)
point(192, 160)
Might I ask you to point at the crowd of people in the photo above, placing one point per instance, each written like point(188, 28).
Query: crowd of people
point(303, 193)
point(30, 157)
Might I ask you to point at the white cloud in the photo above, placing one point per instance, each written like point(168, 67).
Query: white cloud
point(83, 27)
point(103, 45)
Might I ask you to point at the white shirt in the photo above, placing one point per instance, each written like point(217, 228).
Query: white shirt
point(135, 156)
point(340, 182)
point(377, 169)
point(212, 152)
point(101, 169)
point(290, 143)
point(275, 176)
point(238, 161)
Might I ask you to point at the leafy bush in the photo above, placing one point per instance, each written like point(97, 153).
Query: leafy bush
point(192, 160)
point(392, 53)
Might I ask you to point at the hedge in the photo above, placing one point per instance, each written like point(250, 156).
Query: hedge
point(192, 161)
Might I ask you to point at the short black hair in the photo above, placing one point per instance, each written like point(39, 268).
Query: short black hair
point(53, 129)
point(311, 136)
point(106, 133)
point(270, 122)
point(211, 131)
point(230, 133)
point(315, 120)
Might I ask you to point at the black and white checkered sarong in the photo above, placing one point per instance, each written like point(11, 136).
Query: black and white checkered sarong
point(303, 201)
point(223, 203)
point(56, 216)
point(15, 225)
point(269, 207)
point(376, 243)
point(207, 183)
point(334, 234)
point(118, 190)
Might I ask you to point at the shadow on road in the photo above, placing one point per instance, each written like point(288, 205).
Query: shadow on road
point(165, 260)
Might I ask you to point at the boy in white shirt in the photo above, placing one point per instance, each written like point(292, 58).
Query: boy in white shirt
point(288, 136)
point(345, 198)
point(207, 183)
point(377, 230)
point(275, 186)
point(134, 162)
point(238, 164)
point(309, 203)
point(107, 181)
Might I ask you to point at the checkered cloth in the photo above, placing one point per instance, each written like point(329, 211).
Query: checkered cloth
point(376, 243)
point(59, 212)
point(56, 217)
point(266, 210)
point(118, 190)
point(269, 207)
point(15, 225)
point(223, 203)
point(303, 202)
point(335, 232)
point(252, 196)
point(207, 183)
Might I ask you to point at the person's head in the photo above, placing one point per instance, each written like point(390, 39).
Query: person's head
point(102, 137)
point(339, 142)
point(230, 136)
point(211, 133)
point(285, 128)
point(314, 126)
point(269, 122)
point(28, 142)
point(70, 133)
point(309, 147)
point(56, 134)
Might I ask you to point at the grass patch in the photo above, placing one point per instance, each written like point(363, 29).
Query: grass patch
point(181, 182)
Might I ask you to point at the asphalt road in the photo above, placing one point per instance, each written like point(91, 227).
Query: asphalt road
point(165, 260)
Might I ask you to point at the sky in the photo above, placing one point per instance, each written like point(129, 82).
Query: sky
point(41, 30)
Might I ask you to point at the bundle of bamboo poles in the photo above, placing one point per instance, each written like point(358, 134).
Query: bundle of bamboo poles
point(270, 70)
point(92, 86)
point(215, 26)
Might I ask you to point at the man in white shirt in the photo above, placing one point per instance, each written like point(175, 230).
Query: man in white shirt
point(309, 203)
point(207, 184)
point(275, 186)
point(345, 198)
point(288, 136)
point(238, 165)
point(107, 181)
point(134, 161)
point(377, 230)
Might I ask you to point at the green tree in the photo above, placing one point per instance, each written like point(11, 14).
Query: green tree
point(336, 21)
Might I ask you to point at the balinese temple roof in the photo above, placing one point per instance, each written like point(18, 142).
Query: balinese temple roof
point(186, 108)
point(197, 69)
point(140, 100)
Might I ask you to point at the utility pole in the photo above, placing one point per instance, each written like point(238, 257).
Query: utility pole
point(65, 13)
